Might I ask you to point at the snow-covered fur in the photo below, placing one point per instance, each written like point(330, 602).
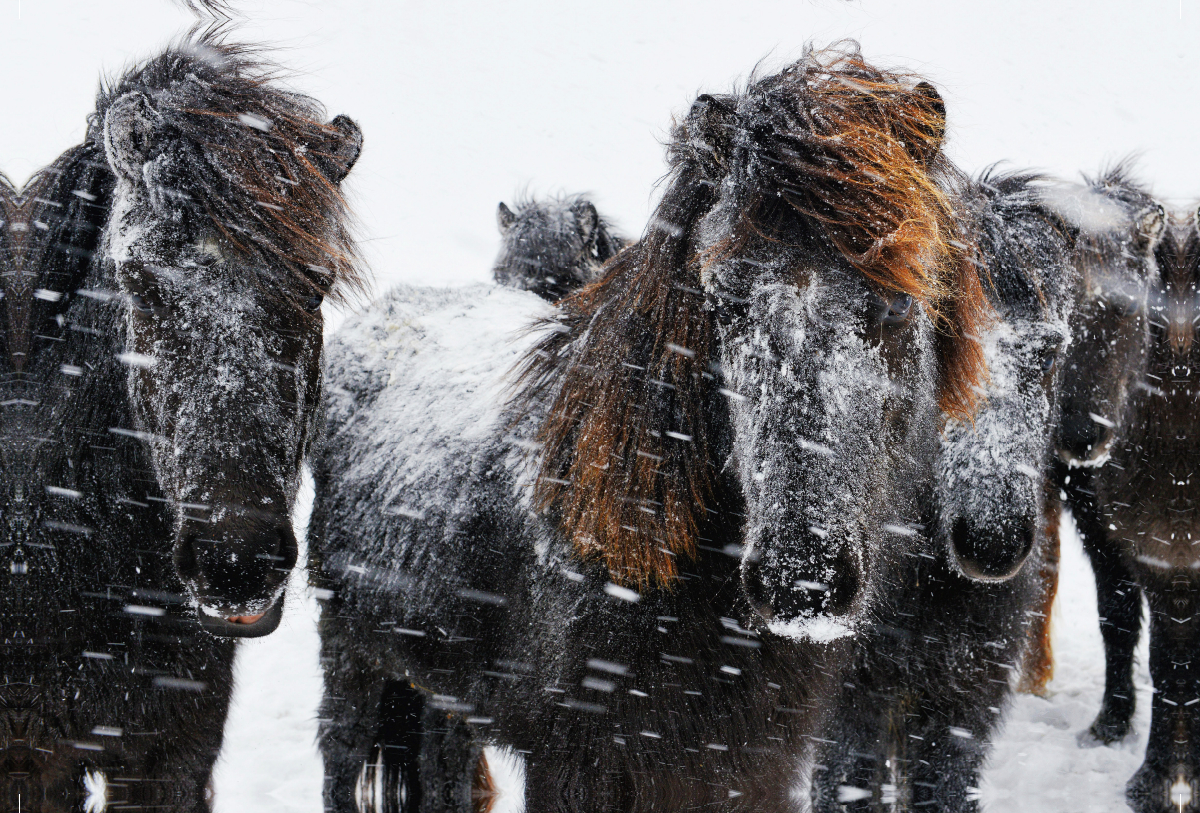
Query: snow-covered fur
point(553, 246)
point(1144, 533)
point(933, 671)
point(657, 637)
point(143, 308)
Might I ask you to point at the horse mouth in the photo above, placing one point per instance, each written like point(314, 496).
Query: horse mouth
point(244, 619)
point(244, 625)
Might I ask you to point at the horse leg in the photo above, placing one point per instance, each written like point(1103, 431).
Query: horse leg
point(954, 717)
point(173, 772)
point(450, 766)
point(583, 775)
point(945, 765)
point(1167, 776)
point(1119, 602)
point(352, 708)
point(860, 755)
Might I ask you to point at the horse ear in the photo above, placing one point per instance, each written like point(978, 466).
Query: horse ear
point(708, 132)
point(504, 217)
point(935, 127)
point(1150, 222)
point(129, 127)
point(587, 220)
point(337, 152)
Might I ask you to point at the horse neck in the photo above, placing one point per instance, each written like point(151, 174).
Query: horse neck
point(84, 384)
point(77, 330)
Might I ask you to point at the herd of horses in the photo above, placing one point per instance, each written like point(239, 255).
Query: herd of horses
point(758, 511)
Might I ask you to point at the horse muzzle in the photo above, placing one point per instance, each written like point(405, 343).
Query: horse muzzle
point(824, 594)
point(237, 573)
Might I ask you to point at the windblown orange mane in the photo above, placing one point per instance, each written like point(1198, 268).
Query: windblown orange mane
point(627, 458)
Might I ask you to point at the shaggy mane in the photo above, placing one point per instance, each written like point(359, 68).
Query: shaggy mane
point(1100, 249)
point(238, 149)
point(628, 463)
point(1022, 235)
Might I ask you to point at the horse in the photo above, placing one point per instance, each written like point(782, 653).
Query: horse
point(1145, 519)
point(554, 246)
point(932, 671)
point(176, 267)
point(640, 565)
point(1103, 366)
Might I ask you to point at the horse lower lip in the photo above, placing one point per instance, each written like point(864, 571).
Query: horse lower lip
point(244, 619)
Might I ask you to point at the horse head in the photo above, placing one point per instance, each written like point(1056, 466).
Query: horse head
point(1121, 229)
point(227, 231)
point(775, 348)
point(554, 246)
point(992, 468)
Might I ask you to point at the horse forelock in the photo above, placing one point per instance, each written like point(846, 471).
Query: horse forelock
point(856, 151)
point(876, 180)
point(234, 147)
point(1024, 238)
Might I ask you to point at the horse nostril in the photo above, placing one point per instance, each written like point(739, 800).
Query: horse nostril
point(756, 590)
point(991, 554)
point(185, 558)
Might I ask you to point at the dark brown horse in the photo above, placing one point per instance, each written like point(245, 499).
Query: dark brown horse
point(553, 246)
point(729, 431)
point(931, 676)
point(1148, 524)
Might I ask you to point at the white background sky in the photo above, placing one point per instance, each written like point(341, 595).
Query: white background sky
point(464, 104)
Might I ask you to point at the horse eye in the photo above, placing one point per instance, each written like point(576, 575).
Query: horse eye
point(898, 309)
point(1048, 360)
point(1124, 307)
point(140, 303)
point(313, 303)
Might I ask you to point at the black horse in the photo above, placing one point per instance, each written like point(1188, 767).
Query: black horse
point(553, 246)
point(641, 571)
point(934, 669)
point(174, 267)
point(1104, 365)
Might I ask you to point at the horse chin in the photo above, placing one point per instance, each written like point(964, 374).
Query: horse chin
point(820, 629)
point(982, 569)
point(244, 625)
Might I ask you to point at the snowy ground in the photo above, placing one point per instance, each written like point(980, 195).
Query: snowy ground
point(463, 104)
point(270, 765)
point(1037, 763)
